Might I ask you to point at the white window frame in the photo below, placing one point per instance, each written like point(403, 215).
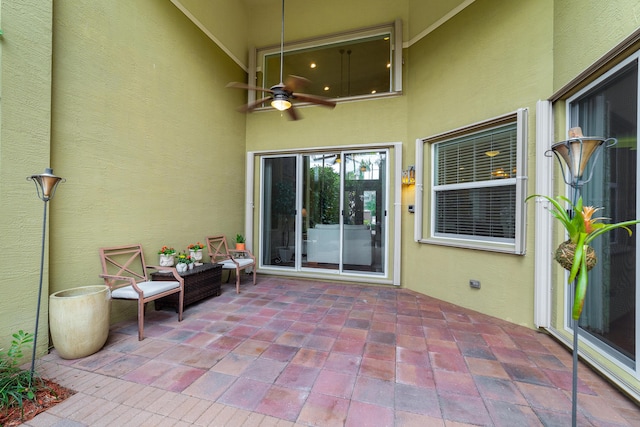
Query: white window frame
point(620, 360)
point(517, 246)
point(257, 56)
point(394, 151)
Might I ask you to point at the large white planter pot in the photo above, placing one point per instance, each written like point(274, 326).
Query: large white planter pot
point(79, 320)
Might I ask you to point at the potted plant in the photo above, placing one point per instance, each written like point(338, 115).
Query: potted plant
point(575, 254)
point(195, 250)
point(183, 261)
point(166, 256)
point(240, 242)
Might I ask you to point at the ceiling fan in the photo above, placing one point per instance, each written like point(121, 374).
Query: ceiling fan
point(282, 94)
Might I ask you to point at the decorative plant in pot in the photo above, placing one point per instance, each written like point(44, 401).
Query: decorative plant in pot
point(183, 262)
point(240, 242)
point(195, 251)
point(166, 256)
point(575, 254)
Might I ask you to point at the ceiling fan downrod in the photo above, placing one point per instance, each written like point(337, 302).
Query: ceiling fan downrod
point(281, 97)
point(282, 45)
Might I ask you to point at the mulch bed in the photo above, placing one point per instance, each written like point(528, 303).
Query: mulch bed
point(49, 394)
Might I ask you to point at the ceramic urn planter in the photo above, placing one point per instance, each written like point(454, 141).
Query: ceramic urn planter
point(79, 320)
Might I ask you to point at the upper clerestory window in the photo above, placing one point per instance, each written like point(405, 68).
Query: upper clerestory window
point(359, 64)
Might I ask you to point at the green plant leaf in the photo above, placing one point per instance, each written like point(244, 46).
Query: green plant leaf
point(577, 257)
point(609, 227)
point(581, 290)
point(15, 383)
point(572, 225)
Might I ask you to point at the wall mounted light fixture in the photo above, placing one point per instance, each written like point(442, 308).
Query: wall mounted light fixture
point(409, 176)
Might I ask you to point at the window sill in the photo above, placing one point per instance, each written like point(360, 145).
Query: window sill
point(474, 245)
point(341, 100)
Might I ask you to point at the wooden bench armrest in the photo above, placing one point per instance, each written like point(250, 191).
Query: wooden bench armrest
point(112, 278)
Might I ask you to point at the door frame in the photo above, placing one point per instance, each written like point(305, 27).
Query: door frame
point(552, 302)
point(393, 273)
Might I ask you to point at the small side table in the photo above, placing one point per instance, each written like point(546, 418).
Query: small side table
point(201, 282)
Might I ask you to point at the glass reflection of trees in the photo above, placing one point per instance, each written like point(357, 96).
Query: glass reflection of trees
point(324, 197)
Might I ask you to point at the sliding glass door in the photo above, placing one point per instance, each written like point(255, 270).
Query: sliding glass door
point(321, 211)
point(610, 109)
point(325, 211)
point(364, 226)
point(279, 211)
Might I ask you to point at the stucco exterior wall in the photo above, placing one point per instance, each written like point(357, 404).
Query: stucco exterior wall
point(143, 132)
point(584, 30)
point(228, 22)
point(25, 117)
point(481, 64)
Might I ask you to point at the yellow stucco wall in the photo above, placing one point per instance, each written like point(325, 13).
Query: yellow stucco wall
point(25, 117)
point(584, 30)
point(228, 22)
point(305, 19)
point(142, 132)
point(481, 64)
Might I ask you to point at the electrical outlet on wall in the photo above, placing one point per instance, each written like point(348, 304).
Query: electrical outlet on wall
point(475, 284)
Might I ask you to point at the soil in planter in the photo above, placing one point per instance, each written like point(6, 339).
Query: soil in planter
point(49, 394)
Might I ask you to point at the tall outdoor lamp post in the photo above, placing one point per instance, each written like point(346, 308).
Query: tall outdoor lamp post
point(573, 156)
point(46, 184)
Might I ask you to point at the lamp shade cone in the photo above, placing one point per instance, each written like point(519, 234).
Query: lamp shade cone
point(576, 153)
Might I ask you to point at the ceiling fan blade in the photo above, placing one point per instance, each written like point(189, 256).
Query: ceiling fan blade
point(294, 83)
point(293, 113)
point(238, 85)
point(314, 99)
point(252, 106)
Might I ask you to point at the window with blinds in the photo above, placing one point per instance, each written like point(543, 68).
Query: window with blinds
point(474, 185)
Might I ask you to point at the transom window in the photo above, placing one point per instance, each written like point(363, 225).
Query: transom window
point(361, 63)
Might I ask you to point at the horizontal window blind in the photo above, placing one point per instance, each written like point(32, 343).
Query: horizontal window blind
point(488, 155)
point(475, 185)
point(488, 212)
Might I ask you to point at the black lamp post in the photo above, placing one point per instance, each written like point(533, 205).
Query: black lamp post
point(46, 184)
point(574, 155)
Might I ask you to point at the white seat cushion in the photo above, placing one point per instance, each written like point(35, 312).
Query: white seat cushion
point(230, 265)
point(148, 289)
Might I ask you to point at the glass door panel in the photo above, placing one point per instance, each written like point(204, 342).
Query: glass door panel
point(364, 220)
point(610, 110)
point(328, 214)
point(321, 211)
point(279, 211)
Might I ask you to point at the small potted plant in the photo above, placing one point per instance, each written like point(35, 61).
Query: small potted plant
point(240, 243)
point(166, 256)
point(575, 254)
point(195, 250)
point(183, 261)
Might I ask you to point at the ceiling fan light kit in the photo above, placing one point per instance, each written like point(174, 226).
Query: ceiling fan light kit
point(282, 94)
point(280, 104)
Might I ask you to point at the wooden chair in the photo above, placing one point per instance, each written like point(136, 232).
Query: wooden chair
point(125, 272)
point(231, 259)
